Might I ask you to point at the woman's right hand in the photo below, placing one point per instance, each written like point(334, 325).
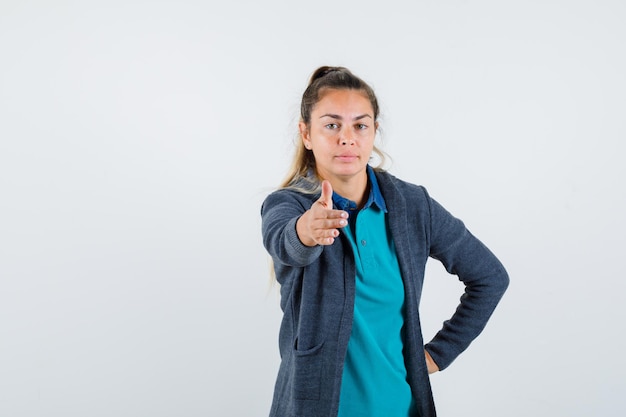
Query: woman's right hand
point(319, 225)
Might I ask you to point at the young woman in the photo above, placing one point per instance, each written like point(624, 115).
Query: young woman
point(349, 244)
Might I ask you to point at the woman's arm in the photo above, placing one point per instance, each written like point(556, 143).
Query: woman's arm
point(483, 275)
point(294, 235)
point(279, 214)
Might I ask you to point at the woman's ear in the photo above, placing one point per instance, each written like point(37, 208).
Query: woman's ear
point(305, 135)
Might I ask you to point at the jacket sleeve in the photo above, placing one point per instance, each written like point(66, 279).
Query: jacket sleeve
point(279, 213)
point(483, 275)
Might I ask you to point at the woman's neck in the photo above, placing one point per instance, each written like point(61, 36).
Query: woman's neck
point(354, 188)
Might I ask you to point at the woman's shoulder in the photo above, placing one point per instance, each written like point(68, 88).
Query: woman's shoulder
point(404, 189)
point(289, 195)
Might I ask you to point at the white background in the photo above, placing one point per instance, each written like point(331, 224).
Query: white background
point(139, 138)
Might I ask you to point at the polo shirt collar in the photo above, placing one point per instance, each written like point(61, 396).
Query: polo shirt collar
point(375, 196)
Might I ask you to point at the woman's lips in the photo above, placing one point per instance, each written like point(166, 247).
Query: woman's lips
point(346, 157)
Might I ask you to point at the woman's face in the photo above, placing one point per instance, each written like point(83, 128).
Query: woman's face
point(341, 134)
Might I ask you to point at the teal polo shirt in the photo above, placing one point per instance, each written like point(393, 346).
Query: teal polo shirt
point(374, 379)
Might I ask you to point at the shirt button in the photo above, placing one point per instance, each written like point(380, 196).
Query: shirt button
point(363, 242)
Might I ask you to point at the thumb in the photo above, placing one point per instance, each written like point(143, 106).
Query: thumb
point(327, 194)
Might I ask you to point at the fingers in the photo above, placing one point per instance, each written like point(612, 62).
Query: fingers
point(324, 227)
point(327, 194)
point(320, 224)
point(323, 224)
point(327, 229)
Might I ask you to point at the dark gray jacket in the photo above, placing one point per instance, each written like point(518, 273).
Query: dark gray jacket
point(318, 289)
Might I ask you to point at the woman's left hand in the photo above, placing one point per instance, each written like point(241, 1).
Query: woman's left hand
point(430, 363)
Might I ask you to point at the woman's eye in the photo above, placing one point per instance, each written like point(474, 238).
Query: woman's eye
point(361, 126)
point(332, 126)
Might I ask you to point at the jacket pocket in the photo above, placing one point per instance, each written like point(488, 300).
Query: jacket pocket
point(307, 376)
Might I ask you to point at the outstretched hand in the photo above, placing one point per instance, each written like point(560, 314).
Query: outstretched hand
point(319, 225)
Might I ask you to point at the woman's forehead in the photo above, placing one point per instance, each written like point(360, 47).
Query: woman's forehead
point(343, 101)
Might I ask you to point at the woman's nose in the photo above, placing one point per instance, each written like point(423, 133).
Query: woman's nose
point(345, 138)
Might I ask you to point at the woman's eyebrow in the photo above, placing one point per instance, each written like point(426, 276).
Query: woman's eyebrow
point(338, 117)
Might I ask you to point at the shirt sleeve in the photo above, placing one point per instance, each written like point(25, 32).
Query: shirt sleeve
point(483, 275)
